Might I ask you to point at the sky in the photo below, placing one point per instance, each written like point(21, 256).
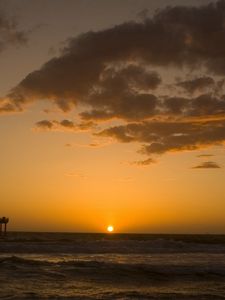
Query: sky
point(112, 113)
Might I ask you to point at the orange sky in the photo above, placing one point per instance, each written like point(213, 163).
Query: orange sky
point(70, 176)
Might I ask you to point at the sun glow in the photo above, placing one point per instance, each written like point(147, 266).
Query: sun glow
point(110, 228)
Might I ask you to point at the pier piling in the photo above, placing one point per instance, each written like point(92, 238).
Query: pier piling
point(3, 223)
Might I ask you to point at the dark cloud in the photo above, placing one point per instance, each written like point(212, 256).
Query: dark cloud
point(9, 32)
point(177, 36)
point(143, 163)
point(207, 105)
point(8, 107)
point(161, 137)
point(207, 165)
point(67, 123)
point(119, 74)
point(64, 125)
point(135, 76)
point(130, 107)
point(44, 125)
point(118, 95)
point(175, 105)
point(197, 85)
point(143, 14)
point(120, 133)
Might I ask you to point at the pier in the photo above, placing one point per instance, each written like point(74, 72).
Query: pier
point(3, 223)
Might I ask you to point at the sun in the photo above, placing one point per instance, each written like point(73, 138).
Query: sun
point(110, 228)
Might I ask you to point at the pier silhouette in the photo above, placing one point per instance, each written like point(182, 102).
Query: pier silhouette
point(3, 222)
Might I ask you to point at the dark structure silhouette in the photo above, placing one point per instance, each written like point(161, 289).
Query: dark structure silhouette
point(3, 221)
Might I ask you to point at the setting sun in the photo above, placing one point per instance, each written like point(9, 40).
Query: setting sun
point(110, 229)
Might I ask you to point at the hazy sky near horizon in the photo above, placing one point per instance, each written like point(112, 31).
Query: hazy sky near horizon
point(112, 113)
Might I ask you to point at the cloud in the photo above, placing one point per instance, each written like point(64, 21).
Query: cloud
point(204, 105)
point(175, 36)
point(64, 125)
point(143, 163)
point(207, 165)
point(45, 125)
point(207, 105)
point(121, 74)
point(8, 107)
point(9, 32)
point(197, 85)
point(143, 14)
point(160, 137)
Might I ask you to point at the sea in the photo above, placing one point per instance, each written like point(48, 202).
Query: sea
point(111, 266)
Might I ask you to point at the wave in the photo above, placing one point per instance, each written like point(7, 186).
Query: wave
point(111, 277)
point(16, 261)
point(123, 295)
point(113, 245)
point(106, 269)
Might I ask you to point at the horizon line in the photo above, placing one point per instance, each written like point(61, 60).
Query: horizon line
point(118, 233)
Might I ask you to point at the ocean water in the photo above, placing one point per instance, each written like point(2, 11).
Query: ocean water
point(117, 266)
